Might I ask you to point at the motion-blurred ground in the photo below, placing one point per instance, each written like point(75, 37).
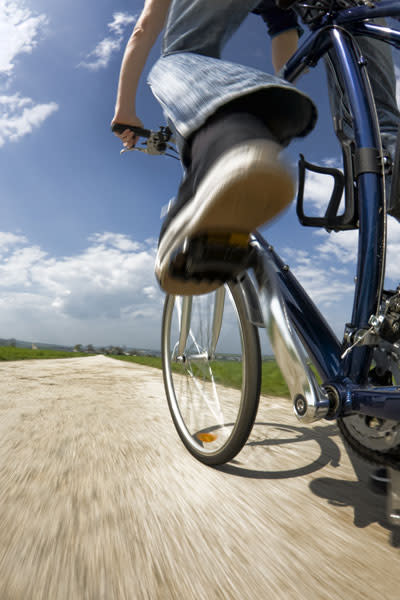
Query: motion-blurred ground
point(100, 500)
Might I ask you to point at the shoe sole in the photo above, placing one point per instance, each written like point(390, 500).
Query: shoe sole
point(246, 187)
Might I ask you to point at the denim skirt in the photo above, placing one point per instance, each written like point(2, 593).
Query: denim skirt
point(191, 82)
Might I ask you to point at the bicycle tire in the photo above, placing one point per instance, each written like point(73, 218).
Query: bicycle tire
point(212, 420)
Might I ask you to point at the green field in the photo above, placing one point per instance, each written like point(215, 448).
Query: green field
point(228, 373)
point(11, 353)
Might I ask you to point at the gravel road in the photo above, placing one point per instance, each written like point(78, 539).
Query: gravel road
point(99, 500)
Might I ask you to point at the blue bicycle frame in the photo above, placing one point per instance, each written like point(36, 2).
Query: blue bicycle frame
point(345, 376)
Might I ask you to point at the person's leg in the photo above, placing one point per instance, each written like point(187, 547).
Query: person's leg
point(229, 118)
point(235, 182)
point(383, 82)
point(191, 88)
point(191, 83)
point(229, 126)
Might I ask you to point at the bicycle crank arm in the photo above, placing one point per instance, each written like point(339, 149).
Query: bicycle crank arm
point(310, 401)
point(393, 504)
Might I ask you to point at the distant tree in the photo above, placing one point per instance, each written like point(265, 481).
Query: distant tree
point(90, 349)
point(116, 350)
point(78, 348)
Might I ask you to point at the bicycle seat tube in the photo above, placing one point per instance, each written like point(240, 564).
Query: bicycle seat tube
point(371, 195)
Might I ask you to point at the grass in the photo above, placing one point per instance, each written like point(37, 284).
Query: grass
point(9, 353)
point(227, 373)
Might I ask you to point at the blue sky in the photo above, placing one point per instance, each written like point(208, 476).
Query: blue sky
point(79, 222)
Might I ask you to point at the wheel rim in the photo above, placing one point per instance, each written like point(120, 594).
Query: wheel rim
point(205, 409)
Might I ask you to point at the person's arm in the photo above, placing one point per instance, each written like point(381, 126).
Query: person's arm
point(283, 46)
point(283, 29)
point(148, 27)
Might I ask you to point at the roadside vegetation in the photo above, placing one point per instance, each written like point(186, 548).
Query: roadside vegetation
point(228, 373)
point(11, 353)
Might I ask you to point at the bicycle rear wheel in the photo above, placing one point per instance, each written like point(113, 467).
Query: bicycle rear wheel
point(212, 372)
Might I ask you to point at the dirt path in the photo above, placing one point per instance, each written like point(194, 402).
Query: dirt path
point(100, 501)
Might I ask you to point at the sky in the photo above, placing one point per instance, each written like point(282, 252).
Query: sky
point(79, 222)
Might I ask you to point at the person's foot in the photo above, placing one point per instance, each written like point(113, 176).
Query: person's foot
point(245, 186)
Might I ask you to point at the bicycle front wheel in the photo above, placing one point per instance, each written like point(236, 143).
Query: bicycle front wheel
point(212, 372)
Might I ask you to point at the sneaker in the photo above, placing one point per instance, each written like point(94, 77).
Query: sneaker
point(245, 187)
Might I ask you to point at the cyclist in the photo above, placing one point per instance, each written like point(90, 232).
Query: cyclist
point(230, 121)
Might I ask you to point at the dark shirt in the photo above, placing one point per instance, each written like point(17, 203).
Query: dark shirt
point(276, 19)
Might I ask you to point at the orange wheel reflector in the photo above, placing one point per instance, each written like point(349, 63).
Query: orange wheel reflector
point(206, 437)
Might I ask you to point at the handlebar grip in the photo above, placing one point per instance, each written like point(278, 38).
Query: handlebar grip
point(120, 128)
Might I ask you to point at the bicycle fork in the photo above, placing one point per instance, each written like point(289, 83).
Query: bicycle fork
point(184, 331)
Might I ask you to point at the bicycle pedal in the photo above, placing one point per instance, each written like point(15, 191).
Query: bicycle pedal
point(213, 257)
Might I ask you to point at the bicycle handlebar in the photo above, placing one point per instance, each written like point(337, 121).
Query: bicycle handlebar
point(157, 141)
point(120, 128)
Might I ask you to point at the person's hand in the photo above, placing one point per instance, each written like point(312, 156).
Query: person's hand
point(128, 138)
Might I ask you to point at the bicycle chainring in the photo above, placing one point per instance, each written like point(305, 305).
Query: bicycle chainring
point(376, 440)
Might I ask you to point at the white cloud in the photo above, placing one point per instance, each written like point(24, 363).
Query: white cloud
point(327, 270)
point(16, 269)
point(120, 22)
point(104, 295)
point(323, 281)
point(117, 240)
point(318, 190)
point(341, 245)
point(8, 240)
point(393, 253)
point(329, 287)
point(20, 116)
point(102, 53)
point(107, 293)
point(324, 285)
point(20, 30)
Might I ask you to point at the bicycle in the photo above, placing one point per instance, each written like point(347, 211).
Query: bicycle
point(356, 381)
